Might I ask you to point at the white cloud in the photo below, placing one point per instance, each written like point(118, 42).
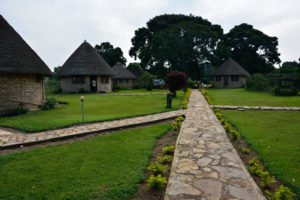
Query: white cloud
point(55, 28)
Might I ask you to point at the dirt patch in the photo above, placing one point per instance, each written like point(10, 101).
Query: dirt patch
point(69, 140)
point(145, 192)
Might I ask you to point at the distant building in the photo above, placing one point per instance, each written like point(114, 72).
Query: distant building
point(230, 75)
point(85, 70)
point(123, 77)
point(21, 71)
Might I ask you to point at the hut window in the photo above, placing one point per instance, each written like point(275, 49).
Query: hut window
point(38, 79)
point(218, 78)
point(126, 80)
point(77, 79)
point(104, 79)
point(121, 80)
point(234, 78)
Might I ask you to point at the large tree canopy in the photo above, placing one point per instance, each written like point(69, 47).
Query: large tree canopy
point(178, 42)
point(110, 54)
point(254, 50)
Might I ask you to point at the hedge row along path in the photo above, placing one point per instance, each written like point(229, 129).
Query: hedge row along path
point(10, 138)
point(226, 107)
point(206, 166)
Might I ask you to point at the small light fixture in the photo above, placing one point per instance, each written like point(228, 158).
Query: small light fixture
point(82, 111)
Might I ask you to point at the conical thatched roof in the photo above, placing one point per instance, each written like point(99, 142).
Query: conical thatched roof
point(122, 73)
point(230, 67)
point(16, 56)
point(85, 61)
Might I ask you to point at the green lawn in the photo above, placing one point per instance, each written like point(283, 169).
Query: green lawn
point(275, 136)
point(139, 91)
point(98, 107)
point(105, 167)
point(242, 97)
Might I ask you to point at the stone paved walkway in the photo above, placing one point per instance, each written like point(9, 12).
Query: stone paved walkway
point(206, 166)
point(256, 108)
point(9, 138)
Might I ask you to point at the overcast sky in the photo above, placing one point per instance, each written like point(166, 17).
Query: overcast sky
point(55, 28)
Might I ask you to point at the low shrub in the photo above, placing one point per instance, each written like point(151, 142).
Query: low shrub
point(284, 91)
point(15, 112)
point(255, 168)
point(266, 179)
point(245, 150)
point(192, 84)
point(186, 98)
point(235, 135)
point(258, 82)
point(219, 115)
point(284, 193)
point(177, 123)
point(117, 88)
point(227, 127)
point(156, 181)
point(156, 168)
point(49, 104)
point(82, 90)
point(165, 159)
point(169, 150)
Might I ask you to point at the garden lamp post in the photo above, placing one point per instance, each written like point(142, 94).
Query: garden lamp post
point(82, 112)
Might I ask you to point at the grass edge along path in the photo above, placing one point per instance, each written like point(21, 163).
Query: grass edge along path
point(97, 108)
point(242, 97)
point(274, 139)
point(104, 167)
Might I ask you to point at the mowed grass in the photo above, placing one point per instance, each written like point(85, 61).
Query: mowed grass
point(242, 97)
point(105, 167)
point(97, 107)
point(275, 136)
point(145, 91)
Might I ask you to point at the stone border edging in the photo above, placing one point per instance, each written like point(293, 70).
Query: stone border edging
point(227, 107)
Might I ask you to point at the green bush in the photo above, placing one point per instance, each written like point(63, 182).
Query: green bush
point(191, 84)
point(52, 86)
point(278, 91)
point(117, 88)
point(255, 168)
point(165, 159)
point(156, 168)
point(169, 150)
point(186, 98)
point(245, 151)
point(266, 179)
point(15, 112)
point(257, 82)
point(284, 193)
point(49, 104)
point(177, 123)
point(227, 127)
point(235, 135)
point(156, 181)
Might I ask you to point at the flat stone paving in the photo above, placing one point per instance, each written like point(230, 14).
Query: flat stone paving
point(14, 138)
point(206, 166)
point(256, 108)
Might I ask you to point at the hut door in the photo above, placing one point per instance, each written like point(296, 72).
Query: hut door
point(225, 81)
point(93, 83)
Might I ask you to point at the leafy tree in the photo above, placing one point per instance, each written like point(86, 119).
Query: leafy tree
point(176, 80)
point(290, 67)
point(110, 54)
point(178, 42)
point(136, 69)
point(254, 50)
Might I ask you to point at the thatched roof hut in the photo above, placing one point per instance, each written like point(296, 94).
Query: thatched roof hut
point(121, 72)
point(86, 70)
point(230, 75)
point(85, 61)
point(21, 71)
point(16, 56)
point(230, 67)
